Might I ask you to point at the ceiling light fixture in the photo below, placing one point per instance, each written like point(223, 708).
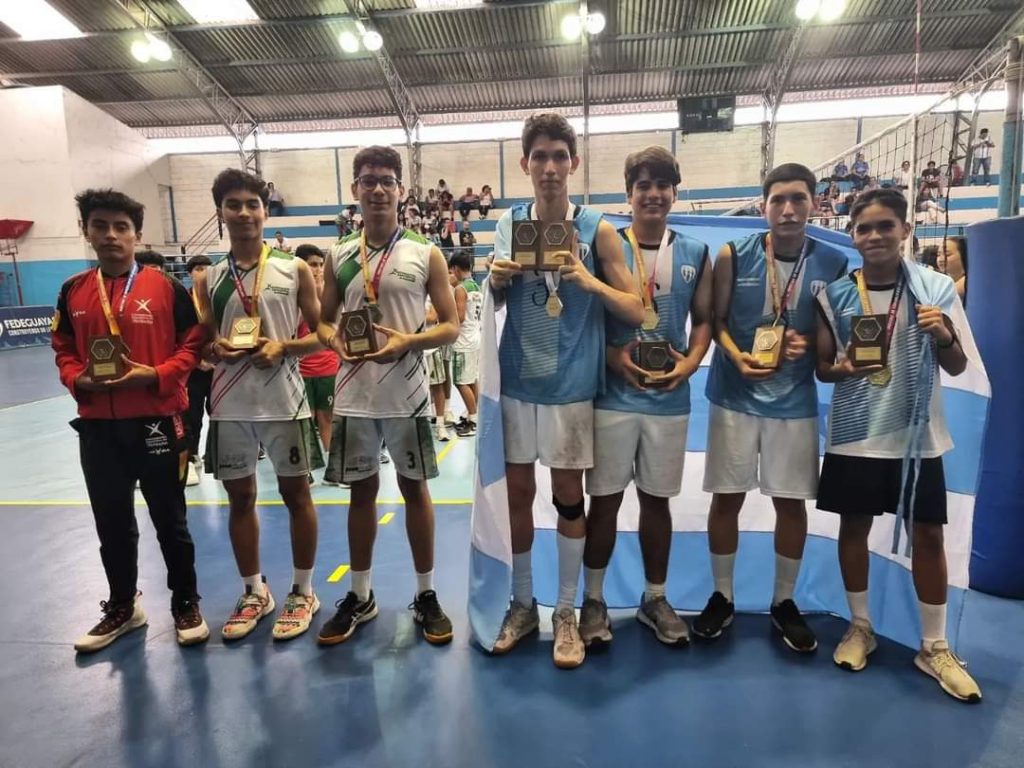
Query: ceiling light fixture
point(576, 24)
point(212, 11)
point(807, 9)
point(372, 40)
point(158, 49)
point(349, 42)
point(831, 9)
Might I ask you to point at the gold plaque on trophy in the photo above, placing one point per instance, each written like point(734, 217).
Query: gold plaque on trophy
point(867, 340)
point(526, 243)
point(556, 245)
point(105, 361)
point(356, 328)
point(245, 333)
point(768, 343)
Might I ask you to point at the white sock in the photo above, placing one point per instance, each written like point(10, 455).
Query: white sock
point(721, 570)
point(471, 417)
point(933, 622)
point(858, 602)
point(786, 571)
point(424, 582)
point(361, 584)
point(447, 406)
point(303, 580)
point(652, 590)
point(256, 582)
point(570, 560)
point(522, 578)
point(593, 583)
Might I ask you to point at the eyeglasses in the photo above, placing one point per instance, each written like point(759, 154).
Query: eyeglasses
point(369, 182)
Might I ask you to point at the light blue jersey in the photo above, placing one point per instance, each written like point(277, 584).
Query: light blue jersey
point(549, 360)
point(676, 277)
point(790, 393)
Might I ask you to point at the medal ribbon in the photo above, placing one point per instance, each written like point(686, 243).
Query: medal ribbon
point(372, 286)
point(101, 288)
point(894, 303)
point(646, 285)
point(779, 305)
point(249, 303)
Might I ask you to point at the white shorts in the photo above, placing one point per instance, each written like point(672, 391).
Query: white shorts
point(560, 436)
point(465, 366)
point(356, 443)
point(640, 447)
point(788, 450)
point(233, 448)
point(437, 365)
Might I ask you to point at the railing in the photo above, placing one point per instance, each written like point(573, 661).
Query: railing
point(208, 235)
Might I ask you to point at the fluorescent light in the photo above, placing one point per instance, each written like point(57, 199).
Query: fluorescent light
point(36, 20)
point(349, 43)
point(373, 41)
point(158, 48)
point(595, 23)
point(141, 51)
point(208, 11)
point(572, 27)
point(807, 9)
point(438, 5)
point(831, 9)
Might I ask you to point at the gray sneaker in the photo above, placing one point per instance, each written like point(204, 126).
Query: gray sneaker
point(520, 621)
point(668, 626)
point(595, 628)
point(569, 650)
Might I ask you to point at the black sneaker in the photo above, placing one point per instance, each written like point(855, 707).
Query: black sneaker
point(351, 613)
point(716, 616)
point(795, 633)
point(437, 628)
point(465, 428)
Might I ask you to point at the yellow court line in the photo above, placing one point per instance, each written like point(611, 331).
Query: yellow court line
point(339, 572)
point(221, 502)
point(446, 450)
point(387, 518)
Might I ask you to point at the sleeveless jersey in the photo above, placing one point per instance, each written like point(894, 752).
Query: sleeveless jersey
point(469, 331)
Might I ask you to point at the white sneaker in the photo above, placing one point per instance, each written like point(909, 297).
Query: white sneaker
point(252, 606)
point(855, 647)
point(118, 619)
point(949, 670)
point(568, 651)
point(191, 476)
point(449, 419)
point(441, 433)
point(520, 621)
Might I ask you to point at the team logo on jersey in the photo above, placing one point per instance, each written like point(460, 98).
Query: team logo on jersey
point(142, 305)
point(408, 277)
point(817, 286)
point(688, 272)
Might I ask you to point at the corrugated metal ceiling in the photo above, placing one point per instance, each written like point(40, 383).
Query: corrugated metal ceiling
point(506, 55)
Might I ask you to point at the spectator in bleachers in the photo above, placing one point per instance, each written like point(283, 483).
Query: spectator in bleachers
point(931, 178)
point(468, 202)
point(904, 179)
point(841, 172)
point(486, 201)
point(431, 202)
point(410, 212)
point(952, 260)
point(859, 176)
point(275, 203)
point(981, 151)
point(927, 204)
point(344, 220)
point(151, 258)
point(955, 175)
point(466, 237)
point(930, 256)
point(446, 232)
point(281, 242)
point(442, 187)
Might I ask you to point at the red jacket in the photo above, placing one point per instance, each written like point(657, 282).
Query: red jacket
point(158, 324)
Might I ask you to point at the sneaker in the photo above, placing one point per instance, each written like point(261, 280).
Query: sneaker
point(189, 623)
point(855, 647)
point(191, 476)
point(795, 633)
point(312, 480)
point(449, 419)
point(119, 618)
point(668, 626)
point(250, 608)
point(437, 628)
point(298, 611)
point(569, 650)
point(595, 628)
point(350, 614)
point(948, 670)
point(441, 432)
point(465, 428)
point(519, 622)
point(716, 617)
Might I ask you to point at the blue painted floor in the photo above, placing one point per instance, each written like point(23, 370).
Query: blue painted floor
point(387, 698)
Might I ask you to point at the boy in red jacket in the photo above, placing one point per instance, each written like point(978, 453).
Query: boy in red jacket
point(130, 403)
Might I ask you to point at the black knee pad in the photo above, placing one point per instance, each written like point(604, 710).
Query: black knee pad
point(568, 511)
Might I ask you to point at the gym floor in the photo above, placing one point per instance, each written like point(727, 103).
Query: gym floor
point(386, 697)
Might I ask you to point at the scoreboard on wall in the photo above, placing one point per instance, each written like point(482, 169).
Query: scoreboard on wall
point(706, 114)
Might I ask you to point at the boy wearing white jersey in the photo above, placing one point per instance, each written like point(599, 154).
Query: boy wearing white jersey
point(641, 420)
point(258, 397)
point(867, 466)
point(469, 302)
point(383, 396)
point(552, 366)
point(763, 422)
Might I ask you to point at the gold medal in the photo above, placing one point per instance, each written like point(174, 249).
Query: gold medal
point(554, 305)
point(650, 319)
point(881, 378)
